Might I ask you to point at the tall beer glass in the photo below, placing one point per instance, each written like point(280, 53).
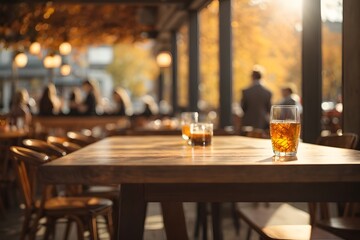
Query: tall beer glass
point(284, 129)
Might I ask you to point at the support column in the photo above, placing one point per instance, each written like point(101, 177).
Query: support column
point(225, 61)
point(194, 70)
point(311, 70)
point(174, 87)
point(161, 85)
point(351, 70)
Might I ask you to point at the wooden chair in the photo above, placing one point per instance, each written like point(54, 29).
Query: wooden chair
point(346, 140)
point(63, 143)
point(81, 138)
point(108, 192)
point(77, 209)
point(291, 221)
point(346, 224)
point(281, 221)
point(41, 146)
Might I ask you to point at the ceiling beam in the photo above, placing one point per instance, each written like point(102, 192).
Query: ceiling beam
point(132, 2)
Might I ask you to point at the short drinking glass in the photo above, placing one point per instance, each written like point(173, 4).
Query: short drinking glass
point(284, 130)
point(201, 134)
point(186, 119)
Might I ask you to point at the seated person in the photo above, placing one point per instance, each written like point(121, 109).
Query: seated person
point(20, 114)
point(49, 104)
point(123, 106)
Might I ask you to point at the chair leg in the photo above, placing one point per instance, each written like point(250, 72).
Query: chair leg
point(235, 217)
point(216, 221)
point(110, 225)
point(203, 219)
point(50, 228)
point(79, 227)
point(197, 221)
point(34, 227)
point(248, 235)
point(25, 228)
point(67, 230)
point(2, 208)
point(93, 228)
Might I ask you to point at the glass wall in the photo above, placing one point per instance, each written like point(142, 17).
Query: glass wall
point(209, 58)
point(267, 33)
point(331, 14)
point(183, 66)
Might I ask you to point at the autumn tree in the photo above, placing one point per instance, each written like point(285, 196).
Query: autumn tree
point(332, 54)
point(264, 33)
point(134, 68)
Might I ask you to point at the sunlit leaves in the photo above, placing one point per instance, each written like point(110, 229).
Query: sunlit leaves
point(133, 68)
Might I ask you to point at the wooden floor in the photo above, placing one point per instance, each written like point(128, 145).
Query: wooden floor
point(10, 225)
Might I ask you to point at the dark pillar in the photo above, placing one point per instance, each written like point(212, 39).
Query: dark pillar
point(351, 70)
point(311, 70)
point(161, 85)
point(174, 87)
point(14, 78)
point(194, 71)
point(225, 61)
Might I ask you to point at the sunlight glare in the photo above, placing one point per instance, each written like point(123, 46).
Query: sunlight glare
point(291, 6)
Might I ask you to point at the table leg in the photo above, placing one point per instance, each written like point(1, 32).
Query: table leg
point(216, 221)
point(174, 220)
point(132, 212)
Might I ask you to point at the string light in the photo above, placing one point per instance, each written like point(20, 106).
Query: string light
point(163, 59)
point(52, 61)
point(65, 69)
point(21, 60)
point(65, 48)
point(35, 48)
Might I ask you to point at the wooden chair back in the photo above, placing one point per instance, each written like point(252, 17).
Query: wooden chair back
point(80, 138)
point(63, 143)
point(26, 160)
point(41, 146)
point(346, 140)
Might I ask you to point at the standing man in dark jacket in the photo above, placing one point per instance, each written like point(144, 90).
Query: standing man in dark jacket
point(256, 103)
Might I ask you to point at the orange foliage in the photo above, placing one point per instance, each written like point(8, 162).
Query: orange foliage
point(266, 33)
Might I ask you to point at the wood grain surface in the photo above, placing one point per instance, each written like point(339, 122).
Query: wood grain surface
point(230, 159)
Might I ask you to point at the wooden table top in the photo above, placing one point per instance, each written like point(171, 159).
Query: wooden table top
point(230, 159)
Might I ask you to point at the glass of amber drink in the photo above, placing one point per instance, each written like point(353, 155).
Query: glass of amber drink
point(201, 134)
point(284, 130)
point(186, 119)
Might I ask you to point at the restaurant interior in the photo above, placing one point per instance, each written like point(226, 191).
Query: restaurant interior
point(135, 119)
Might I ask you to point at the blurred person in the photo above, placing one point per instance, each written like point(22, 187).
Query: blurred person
point(123, 105)
point(150, 106)
point(74, 101)
point(49, 103)
point(20, 114)
point(290, 97)
point(92, 99)
point(256, 102)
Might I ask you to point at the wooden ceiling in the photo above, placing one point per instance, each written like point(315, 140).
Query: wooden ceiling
point(84, 22)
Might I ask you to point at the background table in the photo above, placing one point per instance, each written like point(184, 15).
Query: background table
point(164, 169)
